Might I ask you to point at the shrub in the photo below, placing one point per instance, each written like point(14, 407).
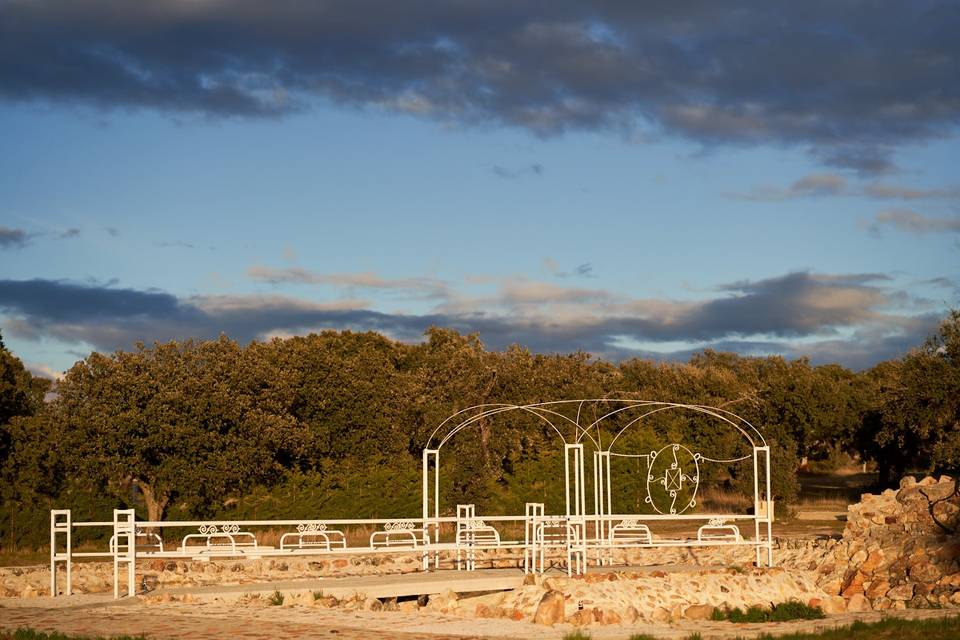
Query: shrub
point(792, 610)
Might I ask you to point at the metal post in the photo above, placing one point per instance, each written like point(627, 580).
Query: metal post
point(770, 507)
point(756, 503)
point(427, 525)
point(531, 547)
point(597, 506)
point(124, 527)
point(61, 522)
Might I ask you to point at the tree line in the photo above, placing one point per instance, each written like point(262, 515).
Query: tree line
point(333, 424)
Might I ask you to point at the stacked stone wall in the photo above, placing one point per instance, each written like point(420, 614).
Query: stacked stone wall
point(900, 549)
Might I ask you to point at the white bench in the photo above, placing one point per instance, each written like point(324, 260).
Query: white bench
point(557, 532)
point(228, 532)
point(472, 535)
point(399, 534)
point(310, 536)
point(717, 529)
point(478, 533)
point(630, 533)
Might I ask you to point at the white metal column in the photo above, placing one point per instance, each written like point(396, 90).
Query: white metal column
point(125, 528)
point(433, 527)
point(61, 523)
point(602, 501)
point(576, 517)
point(756, 503)
point(534, 513)
point(769, 504)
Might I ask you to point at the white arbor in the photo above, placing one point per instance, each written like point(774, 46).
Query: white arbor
point(672, 472)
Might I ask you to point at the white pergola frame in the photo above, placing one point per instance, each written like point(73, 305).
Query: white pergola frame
point(574, 485)
point(570, 536)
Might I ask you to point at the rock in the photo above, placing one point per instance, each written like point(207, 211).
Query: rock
point(952, 580)
point(549, 609)
point(939, 491)
point(327, 602)
point(925, 572)
point(854, 585)
point(372, 604)
point(834, 604)
point(408, 606)
point(699, 612)
point(659, 614)
point(581, 618)
point(610, 616)
point(902, 593)
point(858, 603)
point(29, 592)
point(872, 562)
point(907, 481)
point(444, 601)
point(877, 588)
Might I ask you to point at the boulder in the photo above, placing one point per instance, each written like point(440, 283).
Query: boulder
point(834, 605)
point(372, 604)
point(858, 603)
point(581, 618)
point(699, 612)
point(877, 589)
point(659, 614)
point(549, 609)
point(903, 592)
point(408, 606)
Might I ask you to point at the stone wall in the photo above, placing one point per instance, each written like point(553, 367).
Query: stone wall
point(653, 596)
point(893, 554)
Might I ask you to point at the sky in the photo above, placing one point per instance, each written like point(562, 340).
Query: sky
point(627, 179)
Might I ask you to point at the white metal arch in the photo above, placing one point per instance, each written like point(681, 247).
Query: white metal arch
point(543, 411)
point(549, 412)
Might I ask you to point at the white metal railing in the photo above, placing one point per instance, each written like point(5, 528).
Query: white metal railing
point(566, 539)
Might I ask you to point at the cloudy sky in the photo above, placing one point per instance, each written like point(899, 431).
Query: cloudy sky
point(626, 178)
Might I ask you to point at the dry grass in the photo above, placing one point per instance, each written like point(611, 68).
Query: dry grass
point(724, 501)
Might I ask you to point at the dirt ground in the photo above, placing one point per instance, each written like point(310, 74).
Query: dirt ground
point(215, 621)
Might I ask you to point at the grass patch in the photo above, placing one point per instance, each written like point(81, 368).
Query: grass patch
point(276, 599)
point(887, 629)
point(576, 635)
point(318, 594)
point(30, 634)
point(782, 612)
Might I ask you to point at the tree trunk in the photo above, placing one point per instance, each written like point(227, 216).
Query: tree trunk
point(156, 501)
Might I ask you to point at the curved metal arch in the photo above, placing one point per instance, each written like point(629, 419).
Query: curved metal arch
point(696, 408)
point(712, 411)
point(498, 408)
point(467, 423)
point(540, 408)
point(452, 416)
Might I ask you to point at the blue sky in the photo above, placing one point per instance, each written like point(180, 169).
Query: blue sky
point(578, 179)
